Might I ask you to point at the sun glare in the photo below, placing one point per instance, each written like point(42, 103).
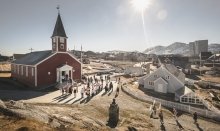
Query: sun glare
point(141, 5)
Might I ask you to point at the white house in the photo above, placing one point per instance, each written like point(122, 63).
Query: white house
point(166, 79)
point(169, 79)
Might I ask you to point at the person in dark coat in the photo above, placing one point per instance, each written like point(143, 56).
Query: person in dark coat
point(74, 91)
point(195, 117)
point(106, 87)
point(70, 90)
point(110, 86)
point(161, 117)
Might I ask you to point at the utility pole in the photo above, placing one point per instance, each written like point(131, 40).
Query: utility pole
point(81, 54)
point(31, 49)
point(214, 61)
point(200, 62)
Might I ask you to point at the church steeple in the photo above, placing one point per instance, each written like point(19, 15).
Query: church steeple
point(59, 38)
point(59, 29)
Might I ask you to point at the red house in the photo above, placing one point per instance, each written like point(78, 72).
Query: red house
point(46, 68)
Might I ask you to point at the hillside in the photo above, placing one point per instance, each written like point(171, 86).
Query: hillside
point(177, 48)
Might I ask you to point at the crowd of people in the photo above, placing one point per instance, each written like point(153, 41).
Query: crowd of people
point(91, 87)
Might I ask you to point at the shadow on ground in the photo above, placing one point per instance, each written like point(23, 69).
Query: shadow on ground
point(13, 90)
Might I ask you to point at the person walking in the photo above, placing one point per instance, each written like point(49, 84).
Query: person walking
point(195, 117)
point(174, 113)
point(161, 117)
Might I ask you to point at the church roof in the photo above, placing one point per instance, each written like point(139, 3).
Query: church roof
point(33, 57)
point(59, 29)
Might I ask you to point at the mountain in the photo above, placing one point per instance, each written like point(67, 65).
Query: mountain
point(177, 48)
point(120, 51)
point(155, 50)
point(214, 47)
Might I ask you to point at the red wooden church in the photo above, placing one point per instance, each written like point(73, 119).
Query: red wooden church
point(46, 68)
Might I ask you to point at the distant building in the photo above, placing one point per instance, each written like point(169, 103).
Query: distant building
point(205, 55)
point(46, 68)
point(169, 79)
point(179, 61)
point(134, 71)
point(197, 47)
point(17, 56)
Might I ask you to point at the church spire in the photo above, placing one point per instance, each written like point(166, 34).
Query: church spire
point(59, 38)
point(59, 29)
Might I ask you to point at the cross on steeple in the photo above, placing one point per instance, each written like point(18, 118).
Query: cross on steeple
point(58, 8)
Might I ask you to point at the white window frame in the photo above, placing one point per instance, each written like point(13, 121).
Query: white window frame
point(14, 68)
point(18, 69)
point(22, 69)
point(62, 40)
point(54, 46)
point(32, 71)
point(26, 71)
point(167, 77)
point(54, 39)
point(151, 83)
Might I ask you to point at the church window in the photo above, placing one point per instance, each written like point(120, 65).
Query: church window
point(54, 39)
point(61, 40)
point(32, 71)
point(61, 46)
point(54, 46)
point(26, 71)
point(22, 70)
point(14, 68)
point(18, 69)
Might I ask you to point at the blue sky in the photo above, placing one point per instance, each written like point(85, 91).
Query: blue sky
point(102, 25)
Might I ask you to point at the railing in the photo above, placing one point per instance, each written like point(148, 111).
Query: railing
point(186, 108)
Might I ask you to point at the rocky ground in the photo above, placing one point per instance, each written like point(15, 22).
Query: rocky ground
point(93, 116)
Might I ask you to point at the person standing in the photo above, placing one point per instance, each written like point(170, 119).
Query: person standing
point(175, 113)
point(195, 117)
point(111, 86)
point(74, 91)
point(106, 87)
point(82, 92)
point(117, 91)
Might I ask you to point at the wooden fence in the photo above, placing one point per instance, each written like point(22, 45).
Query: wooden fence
point(215, 115)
